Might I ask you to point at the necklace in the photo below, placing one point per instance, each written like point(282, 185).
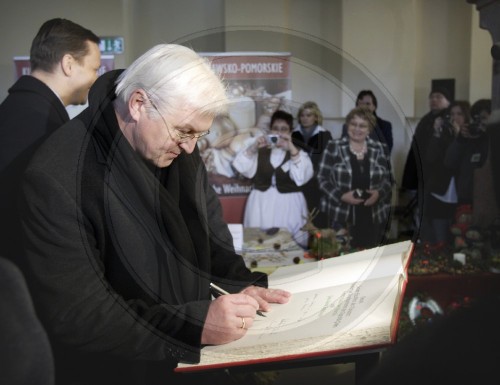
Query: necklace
point(359, 154)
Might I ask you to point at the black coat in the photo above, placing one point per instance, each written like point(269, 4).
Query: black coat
point(121, 254)
point(464, 156)
point(25, 350)
point(415, 167)
point(437, 173)
point(28, 115)
point(383, 133)
point(314, 147)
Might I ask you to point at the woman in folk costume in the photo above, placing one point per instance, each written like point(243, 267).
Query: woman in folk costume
point(278, 170)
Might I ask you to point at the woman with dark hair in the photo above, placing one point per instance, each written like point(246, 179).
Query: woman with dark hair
point(444, 157)
point(278, 169)
point(468, 151)
point(356, 180)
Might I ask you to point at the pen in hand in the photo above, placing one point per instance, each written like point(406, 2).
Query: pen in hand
point(218, 290)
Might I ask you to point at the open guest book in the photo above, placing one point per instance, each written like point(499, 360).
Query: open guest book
point(339, 305)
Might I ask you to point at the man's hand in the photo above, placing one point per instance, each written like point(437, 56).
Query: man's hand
point(229, 317)
point(266, 296)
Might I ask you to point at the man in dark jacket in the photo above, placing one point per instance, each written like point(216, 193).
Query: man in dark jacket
point(64, 61)
point(415, 171)
point(124, 234)
point(439, 100)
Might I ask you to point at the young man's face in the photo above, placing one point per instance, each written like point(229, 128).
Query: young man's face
point(84, 74)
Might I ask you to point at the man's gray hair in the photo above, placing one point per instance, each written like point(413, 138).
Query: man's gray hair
point(174, 77)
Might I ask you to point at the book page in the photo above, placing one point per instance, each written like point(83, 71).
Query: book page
point(333, 313)
point(354, 315)
point(376, 262)
point(324, 312)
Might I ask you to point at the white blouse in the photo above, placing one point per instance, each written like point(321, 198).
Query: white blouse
point(270, 208)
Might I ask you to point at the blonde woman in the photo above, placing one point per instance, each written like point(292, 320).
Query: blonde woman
point(312, 138)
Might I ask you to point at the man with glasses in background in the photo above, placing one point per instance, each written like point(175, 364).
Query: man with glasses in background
point(124, 235)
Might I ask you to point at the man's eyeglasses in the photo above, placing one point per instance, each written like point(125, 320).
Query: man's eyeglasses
point(182, 137)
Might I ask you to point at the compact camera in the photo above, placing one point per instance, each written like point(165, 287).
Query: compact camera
point(272, 139)
point(446, 125)
point(475, 127)
point(361, 194)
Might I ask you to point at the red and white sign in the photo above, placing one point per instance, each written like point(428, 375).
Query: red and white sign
point(258, 84)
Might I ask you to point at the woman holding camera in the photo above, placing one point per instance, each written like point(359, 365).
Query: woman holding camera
point(469, 149)
point(439, 187)
point(277, 169)
point(457, 148)
point(356, 180)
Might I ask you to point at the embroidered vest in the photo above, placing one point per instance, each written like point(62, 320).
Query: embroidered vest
point(264, 176)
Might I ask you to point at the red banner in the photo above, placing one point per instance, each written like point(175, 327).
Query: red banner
point(258, 84)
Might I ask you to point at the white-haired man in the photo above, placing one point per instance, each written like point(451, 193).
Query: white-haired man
point(124, 234)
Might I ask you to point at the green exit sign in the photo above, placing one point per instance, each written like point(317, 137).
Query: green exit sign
point(111, 44)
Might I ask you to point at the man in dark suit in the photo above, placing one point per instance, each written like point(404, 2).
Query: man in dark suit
point(439, 100)
point(64, 61)
point(415, 172)
point(124, 234)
